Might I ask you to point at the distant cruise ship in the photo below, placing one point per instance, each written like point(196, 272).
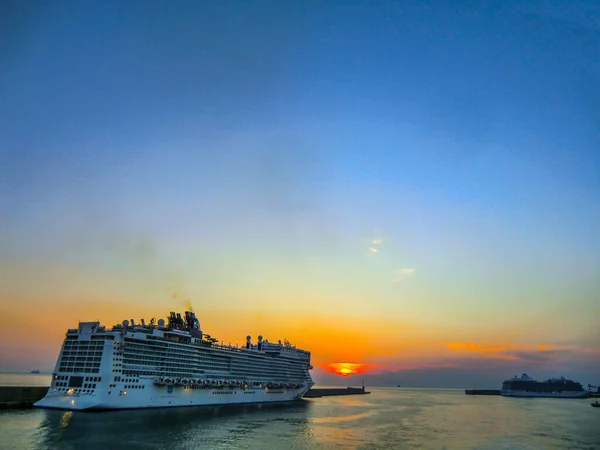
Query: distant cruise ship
point(164, 365)
point(525, 386)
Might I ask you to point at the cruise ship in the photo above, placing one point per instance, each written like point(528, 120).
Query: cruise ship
point(525, 386)
point(166, 364)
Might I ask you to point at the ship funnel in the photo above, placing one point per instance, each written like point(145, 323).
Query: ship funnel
point(143, 323)
point(248, 341)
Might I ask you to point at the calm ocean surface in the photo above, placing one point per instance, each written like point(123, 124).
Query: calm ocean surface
point(387, 418)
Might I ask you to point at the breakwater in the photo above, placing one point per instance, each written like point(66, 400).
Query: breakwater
point(326, 392)
point(497, 392)
point(482, 391)
point(20, 396)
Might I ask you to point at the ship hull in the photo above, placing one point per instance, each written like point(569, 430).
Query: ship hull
point(168, 397)
point(525, 394)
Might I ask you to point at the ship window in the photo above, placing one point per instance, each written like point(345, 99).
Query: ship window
point(76, 382)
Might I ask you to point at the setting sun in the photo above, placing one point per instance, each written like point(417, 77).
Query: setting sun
point(345, 369)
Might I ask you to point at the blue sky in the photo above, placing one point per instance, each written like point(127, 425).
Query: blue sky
point(262, 145)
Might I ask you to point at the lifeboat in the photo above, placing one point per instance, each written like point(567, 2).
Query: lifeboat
point(185, 381)
point(159, 381)
point(168, 381)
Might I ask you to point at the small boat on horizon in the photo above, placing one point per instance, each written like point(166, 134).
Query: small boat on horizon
point(35, 371)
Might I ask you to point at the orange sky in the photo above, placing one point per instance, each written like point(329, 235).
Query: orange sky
point(345, 344)
point(398, 329)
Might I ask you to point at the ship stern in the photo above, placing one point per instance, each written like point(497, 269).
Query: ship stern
point(69, 402)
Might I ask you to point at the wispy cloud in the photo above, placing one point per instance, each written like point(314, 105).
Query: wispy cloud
point(375, 244)
point(512, 352)
point(403, 274)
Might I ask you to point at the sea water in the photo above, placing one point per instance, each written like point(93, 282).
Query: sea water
point(393, 418)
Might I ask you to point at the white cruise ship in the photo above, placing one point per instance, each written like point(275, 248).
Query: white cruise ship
point(159, 365)
point(525, 386)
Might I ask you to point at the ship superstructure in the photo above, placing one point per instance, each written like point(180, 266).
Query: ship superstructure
point(525, 386)
point(166, 364)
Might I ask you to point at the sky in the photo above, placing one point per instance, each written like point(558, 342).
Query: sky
point(409, 190)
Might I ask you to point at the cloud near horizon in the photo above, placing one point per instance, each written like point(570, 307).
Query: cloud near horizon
point(511, 352)
point(464, 372)
point(464, 365)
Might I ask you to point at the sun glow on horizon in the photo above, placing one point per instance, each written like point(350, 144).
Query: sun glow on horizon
point(345, 369)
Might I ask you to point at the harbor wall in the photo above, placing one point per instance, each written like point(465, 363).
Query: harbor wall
point(482, 391)
point(20, 396)
point(326, 392)
point(497, 392)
